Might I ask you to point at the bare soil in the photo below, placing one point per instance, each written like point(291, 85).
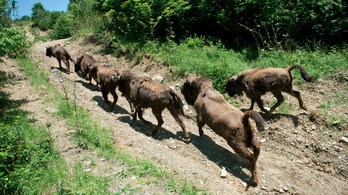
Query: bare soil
point(299, 154)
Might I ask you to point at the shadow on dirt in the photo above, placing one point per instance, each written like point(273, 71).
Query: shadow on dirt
point(9, 109)
point(219, 155)
point(277, 116)
point(91, 87)
point(101, 103)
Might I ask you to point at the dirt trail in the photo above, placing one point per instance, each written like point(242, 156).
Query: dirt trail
point(297, 155)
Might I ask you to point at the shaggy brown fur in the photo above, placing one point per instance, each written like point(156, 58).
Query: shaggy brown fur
point(108, 79)
point(60, 53)
point(81, 66)
point(143, 92)
point(258, 81)
point(224, 119)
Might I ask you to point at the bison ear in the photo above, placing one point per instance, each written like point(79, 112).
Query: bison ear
point(188, 78)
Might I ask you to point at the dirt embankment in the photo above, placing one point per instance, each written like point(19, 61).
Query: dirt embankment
point(298, 154)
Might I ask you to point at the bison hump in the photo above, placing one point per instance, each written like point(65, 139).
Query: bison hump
point(214, 95)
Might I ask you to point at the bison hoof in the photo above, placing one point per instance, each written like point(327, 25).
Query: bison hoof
point(188, 140)
point(253, 182)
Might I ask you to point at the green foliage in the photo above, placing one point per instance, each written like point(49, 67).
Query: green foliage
point(24, 148)
point(82, 16)
point(265, 24)
point(13, 42)
point(6, 8)
point(62, 28)
point(40, 17)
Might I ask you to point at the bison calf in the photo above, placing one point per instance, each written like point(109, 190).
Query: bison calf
point(258, 81)
point(143, 92)
point(60, 53)
point(108, 79)
point(224, 119)
point(82, 64)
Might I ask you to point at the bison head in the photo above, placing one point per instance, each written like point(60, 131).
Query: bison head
point(48, 51)
point(232, 87)
point(124, 82)
point(193, 86)
point(78, 62)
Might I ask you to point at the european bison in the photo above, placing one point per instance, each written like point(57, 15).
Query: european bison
point(81, 66)
point(143, 92)
point(258, 81)
point(60, 53)
point(108, 79)
point(224, 119)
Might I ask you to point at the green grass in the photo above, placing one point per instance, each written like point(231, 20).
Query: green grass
point(90, 135)
point(29, 163)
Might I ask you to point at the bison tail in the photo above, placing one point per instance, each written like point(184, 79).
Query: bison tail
point(178, 104)
point(304, 74)
point(260, 123)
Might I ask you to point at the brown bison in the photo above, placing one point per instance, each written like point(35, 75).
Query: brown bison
point(60, 53)
point(108, 79)
point(143, 92)
point(82, 66)
point(224, 119)
point(258, 81)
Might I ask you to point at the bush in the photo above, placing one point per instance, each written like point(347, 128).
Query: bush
point(13, 43)
point(62, 28)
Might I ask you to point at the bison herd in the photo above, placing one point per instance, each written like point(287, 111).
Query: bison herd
point(212, 109)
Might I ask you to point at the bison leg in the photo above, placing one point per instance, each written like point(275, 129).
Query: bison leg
point(260, 104)
point(280, 100)
point(67, 66)
point(298, 96)
point(181, 123)
point(131, 107)
point(158, 115)
point(252, 104)
point(200, 124)
point(244, 153)
point(140, 115)
point(113, 93)
point(105, 93)
point(60, 64)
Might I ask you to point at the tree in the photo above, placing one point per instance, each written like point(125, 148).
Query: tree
point(6, 8)
point(40, 16)
point(62, 28)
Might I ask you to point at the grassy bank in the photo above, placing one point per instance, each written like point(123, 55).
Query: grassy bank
point(29, 162)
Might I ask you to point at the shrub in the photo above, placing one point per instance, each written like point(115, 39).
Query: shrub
point(13, 42)
point(62, 28)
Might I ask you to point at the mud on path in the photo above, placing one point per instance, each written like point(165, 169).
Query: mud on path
point(298, 155)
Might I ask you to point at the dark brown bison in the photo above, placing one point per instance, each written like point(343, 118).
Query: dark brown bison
point(143, 92)
point(82, 64)
point(224, 119)
point(60, 53)
point(108, 79)
point(258, 81)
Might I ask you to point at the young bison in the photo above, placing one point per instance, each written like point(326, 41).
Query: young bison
point(143, 92)
point(258, 81)
point(224, 119)
point(81, 66)
point(60, 53)
point(108, 79)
